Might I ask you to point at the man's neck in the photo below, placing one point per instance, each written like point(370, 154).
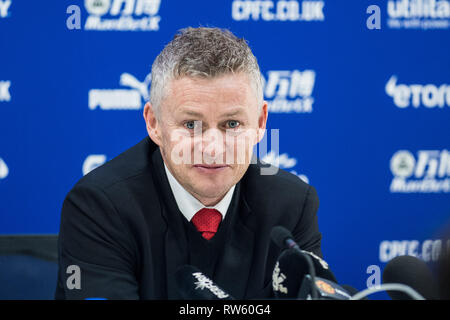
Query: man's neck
point(207, 202)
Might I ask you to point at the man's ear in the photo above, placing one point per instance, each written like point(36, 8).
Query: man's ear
point(262, 121)
point(152, 124)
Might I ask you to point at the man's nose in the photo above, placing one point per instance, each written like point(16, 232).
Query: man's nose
point(212, 144)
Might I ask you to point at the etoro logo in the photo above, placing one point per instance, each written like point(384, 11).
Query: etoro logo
point(122, 15)
point(417, 95)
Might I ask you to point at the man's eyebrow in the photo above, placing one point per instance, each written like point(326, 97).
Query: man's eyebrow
point(191, 113)
point(196, 114)
point(233, 113)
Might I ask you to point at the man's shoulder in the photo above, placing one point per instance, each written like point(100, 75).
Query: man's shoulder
point(268, 176)
point(269, 185)
point(132, 162)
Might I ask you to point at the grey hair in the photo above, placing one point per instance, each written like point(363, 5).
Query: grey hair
point(203, 53)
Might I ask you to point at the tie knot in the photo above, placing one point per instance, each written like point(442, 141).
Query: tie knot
point(207, 222)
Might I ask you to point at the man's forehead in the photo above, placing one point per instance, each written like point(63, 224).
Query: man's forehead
point(227, 95)
point(231, 84)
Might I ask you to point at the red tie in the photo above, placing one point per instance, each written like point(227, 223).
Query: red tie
point(207, 221)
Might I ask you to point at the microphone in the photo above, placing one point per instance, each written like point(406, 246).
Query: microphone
point(321, 267)
point(288, 274)
point(194, 285)
point(290, 278)
point(283, 239)
point(412, 272)
point(290, 270)
point(289, 260)
point(327, 290)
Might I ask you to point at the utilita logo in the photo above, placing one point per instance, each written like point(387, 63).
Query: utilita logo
point(429, 172)
point(417, 95)
point(418, 14)
point(121, 99)
point(122, 15)
point(277, 10)
point(289, 91)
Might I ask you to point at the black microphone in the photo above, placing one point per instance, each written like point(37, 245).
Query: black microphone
point(283, 239)
point(288, 274)
point(290, 279)
point(321, 267)
point(326, 289)
point(413, 272)
point(194, 285)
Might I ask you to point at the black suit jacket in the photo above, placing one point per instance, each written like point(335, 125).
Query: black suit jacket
point(118, 227)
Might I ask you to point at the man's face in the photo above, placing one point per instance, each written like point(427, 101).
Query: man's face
point(206, 131)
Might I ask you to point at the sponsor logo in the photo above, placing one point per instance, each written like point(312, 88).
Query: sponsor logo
point(4, 171)
point(289, 91)
point(121, 99)
point(418, 14)
point(278, 279)
point(283, 161)
point(325, 287)
point(429, 172)
point(322, 262)
point(417, 95)
point(204, 282)
point(277, 10)
point(93, 161)
point(4, 8)
point(5, 95)
point(427, 250)
point(122, 15)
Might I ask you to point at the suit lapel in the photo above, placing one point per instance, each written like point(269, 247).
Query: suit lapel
point(176, 252)
point(234, 270)
point(175, 241)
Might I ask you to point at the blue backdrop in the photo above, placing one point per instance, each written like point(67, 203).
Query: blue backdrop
point(363, 112)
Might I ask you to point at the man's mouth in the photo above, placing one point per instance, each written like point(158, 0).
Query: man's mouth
point(210, 168)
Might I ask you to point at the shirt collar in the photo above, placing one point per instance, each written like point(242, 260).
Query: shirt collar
point(189, 205)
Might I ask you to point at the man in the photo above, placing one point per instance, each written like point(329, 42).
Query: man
point(188, 193)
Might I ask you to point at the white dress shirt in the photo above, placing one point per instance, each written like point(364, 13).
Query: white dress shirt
point(189, 205)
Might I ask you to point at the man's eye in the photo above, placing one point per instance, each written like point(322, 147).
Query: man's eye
point(190, 125)
point(233, 124)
